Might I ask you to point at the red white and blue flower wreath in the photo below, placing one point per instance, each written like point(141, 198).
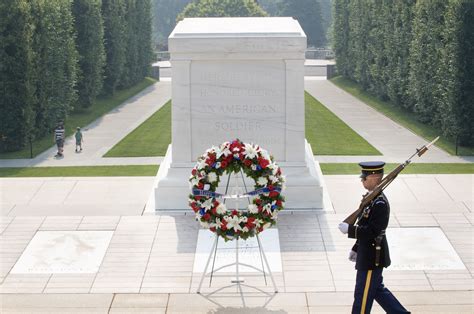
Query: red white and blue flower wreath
point(257, 164)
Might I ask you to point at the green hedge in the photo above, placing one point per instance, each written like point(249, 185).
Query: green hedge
point(415, 54)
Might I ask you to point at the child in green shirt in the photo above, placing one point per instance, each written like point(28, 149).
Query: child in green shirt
point(79, 140)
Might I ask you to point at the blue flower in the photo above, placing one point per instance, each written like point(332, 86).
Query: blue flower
point(202, 211)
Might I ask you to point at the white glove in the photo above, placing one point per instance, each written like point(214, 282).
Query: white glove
point(353, 256)
point(344, 227)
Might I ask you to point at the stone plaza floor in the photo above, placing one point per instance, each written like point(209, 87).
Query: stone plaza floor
point(144, 264)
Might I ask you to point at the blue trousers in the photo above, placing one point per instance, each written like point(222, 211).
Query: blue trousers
point(370, 287)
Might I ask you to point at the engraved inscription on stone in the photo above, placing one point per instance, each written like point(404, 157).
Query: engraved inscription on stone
point(237, 99)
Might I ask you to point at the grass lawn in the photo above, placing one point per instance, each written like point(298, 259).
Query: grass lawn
point(82, 117)
point(414, 168)
point(329, 135)
point(151, 138)
point(402, 117)
point(86, 171)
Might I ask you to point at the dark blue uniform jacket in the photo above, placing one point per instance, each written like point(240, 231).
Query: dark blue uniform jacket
point(371, 222)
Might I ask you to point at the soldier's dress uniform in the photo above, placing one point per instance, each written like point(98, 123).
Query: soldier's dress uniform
point(371, 223)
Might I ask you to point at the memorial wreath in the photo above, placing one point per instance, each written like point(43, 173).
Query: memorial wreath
point(257, 164)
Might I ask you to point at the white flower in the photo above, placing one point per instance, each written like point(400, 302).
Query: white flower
point(250, 151)
point(221, 209)
point(194, 182)
point(207, 204)
point(262, 181)
point(201, 164)
point(233, 222)
point(273, 179)
point(253, 209)
point(207, 187)
point(245, 229)
point(243, 219)
point(205, 224)
point(265, 226)
point(268, 208)
point(216, 224)
point(212, 177)
point(265, 154)
point(218, 165)
point(254, 167)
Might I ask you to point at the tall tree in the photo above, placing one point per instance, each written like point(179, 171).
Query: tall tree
point(308, 14)
point(16, 74)
point(113, 12)
point(132, 33)
point(56, 62)
point(90, 46)
point(340, 37)
point(425, 57)
point(457, 72)
point(222, 8)
point(145, 49)
point(164, 20)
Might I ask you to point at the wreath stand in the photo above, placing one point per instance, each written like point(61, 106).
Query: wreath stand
point(238, 281)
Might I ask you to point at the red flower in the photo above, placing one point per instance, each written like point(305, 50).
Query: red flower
point(194, 172)
point(200, 185)
point(224, 225)
point(279, 203)
point(270, 187)
point(263, 162)
point(274, 194)
point(197, 198)
point(206, 216)
point(235, 212)
point(223, 164)
point(247, 162)
point(214, 211)
point(213, 229)
point(258, 201)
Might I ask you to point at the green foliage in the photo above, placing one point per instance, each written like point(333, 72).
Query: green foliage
point(222, 8)
point(90, 46)
point(413, 168)
point(82, 171)
point(308, 14)
point(457, 72)
point(138, 50)
point(55, 62)
point(164, 20)
point(416, 54)
point(113, 12)
point(16, 74)
point(151, 138)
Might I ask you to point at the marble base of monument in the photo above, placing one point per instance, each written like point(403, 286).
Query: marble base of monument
point(304, 185)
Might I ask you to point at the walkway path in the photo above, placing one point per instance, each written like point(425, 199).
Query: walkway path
point(104, 133)
point(395, 142)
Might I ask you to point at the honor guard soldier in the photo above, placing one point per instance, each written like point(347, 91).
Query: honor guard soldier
point(370, 252)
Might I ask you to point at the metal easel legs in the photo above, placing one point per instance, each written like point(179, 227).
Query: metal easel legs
point(238, 281)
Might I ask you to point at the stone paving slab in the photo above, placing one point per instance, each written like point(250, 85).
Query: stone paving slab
point(152, 256)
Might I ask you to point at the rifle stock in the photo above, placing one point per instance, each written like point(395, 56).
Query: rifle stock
point(367, 198)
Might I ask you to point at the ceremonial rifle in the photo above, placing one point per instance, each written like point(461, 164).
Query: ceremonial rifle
point(368, 197)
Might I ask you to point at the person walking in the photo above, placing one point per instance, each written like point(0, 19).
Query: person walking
point(79, 139)
point(59, 135)
point(371, 252)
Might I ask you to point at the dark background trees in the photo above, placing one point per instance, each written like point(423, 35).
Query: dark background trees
point(416, 54)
